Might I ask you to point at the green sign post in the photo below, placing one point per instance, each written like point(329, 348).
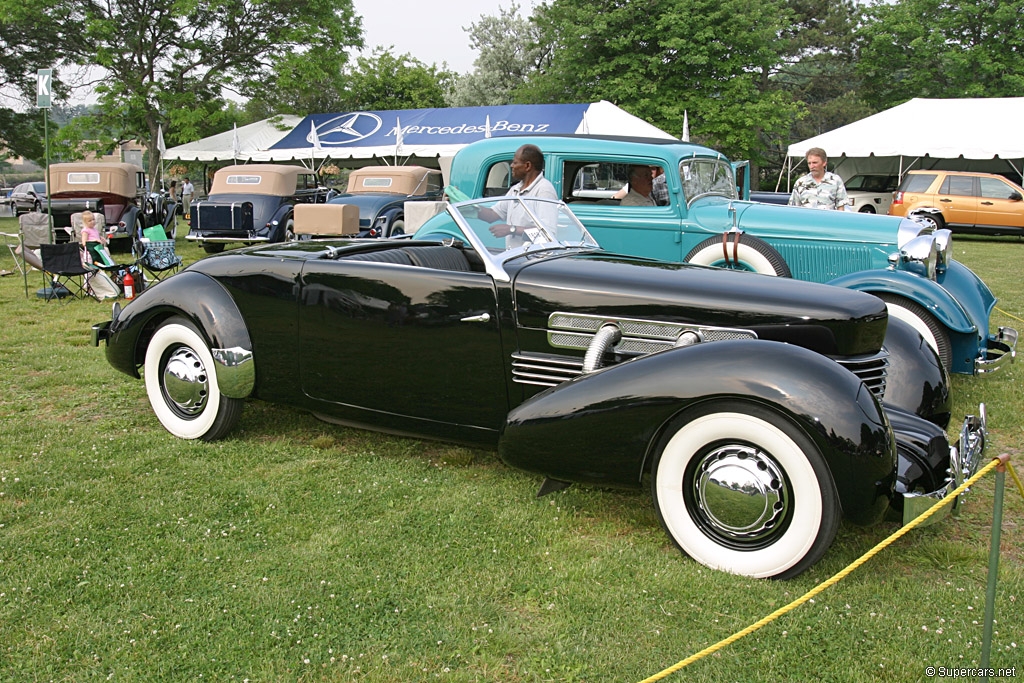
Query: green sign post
point(44, 100)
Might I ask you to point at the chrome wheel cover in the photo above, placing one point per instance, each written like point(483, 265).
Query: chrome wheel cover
point(185, 382)
point(740, 495)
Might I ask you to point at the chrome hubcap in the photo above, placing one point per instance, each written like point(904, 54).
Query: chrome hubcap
point(740, 492)
point(185, 381)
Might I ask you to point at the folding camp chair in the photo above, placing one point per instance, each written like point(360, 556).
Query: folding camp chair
point(34, 229)
point(62, 267)
point(157, 258)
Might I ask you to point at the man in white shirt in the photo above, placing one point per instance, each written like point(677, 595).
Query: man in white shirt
point(528, 168)
point(186, 197)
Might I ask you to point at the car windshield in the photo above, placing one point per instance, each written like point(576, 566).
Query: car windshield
point(707, 176)
point(505, 227)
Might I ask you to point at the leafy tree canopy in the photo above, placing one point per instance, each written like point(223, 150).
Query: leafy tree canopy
point(385, 81)
point(942, 48)
point(660, 58)
point(510, 53)
point(168, 61)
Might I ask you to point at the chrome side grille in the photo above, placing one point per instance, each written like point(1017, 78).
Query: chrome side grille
point(576, 331)
point(544, 370)
point(872, 370)
point(824, 262)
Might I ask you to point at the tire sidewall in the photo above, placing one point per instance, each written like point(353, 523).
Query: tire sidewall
point(797, 542)
point(173, 334)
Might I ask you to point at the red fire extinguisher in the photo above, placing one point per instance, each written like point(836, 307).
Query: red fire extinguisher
point(129, 285)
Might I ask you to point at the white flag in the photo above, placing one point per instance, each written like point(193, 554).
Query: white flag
point(399, 137)
point(586, 126)
point(160, 140)
point(685, 137)
point(313, 137)
point(487, 127)
point(236, 148)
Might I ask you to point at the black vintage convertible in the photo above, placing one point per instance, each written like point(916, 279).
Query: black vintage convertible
point(760, 410)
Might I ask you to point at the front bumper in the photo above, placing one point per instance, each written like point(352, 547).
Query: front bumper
point(225, 239)
point(964, 460)
point(1001, 349)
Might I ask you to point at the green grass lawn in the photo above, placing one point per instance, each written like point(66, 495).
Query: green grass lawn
point(299, 551)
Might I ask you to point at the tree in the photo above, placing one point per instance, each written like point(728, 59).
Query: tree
point(660, 58)
point(384, 81)
point(511, 52)
point(942, 48)
point(168, 61)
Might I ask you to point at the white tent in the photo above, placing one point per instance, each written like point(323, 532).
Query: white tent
point(221, 147)
point(970, 134)
point(429, 136)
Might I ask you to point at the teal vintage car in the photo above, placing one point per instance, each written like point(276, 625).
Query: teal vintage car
point(704, 221)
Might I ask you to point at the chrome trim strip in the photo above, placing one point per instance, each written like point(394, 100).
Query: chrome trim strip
point(247, 238)
point(1001, 349)
point(236, 371)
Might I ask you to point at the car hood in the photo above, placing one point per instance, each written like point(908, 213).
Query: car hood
point(774, 221)
point(829, 320)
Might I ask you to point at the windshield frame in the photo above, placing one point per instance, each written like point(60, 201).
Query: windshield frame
point(494, 263)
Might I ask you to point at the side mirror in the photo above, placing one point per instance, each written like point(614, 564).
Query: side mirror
point(1015, 196)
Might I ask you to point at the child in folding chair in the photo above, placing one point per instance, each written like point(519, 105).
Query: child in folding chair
point(94, 242)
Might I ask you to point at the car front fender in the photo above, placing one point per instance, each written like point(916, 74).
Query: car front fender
point(928, 293)
point(204, 302)
point(601, 428)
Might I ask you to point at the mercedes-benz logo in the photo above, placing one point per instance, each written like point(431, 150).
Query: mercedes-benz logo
point(346, 128)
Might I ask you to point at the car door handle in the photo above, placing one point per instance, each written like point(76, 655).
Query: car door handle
point(482, 318)
point(987, 203)
point(945, 200)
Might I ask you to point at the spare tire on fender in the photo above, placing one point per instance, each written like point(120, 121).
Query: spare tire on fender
point(739, 251)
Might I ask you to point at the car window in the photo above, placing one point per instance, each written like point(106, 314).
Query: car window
point(871, 183)
point(593, 180)
point(993, 188)
point(917, 182)
point(958, 185)
point(499, 179)
point(433, 183)
point(40, 188)
point(707, 176)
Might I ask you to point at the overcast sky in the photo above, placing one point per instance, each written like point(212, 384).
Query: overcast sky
point(429, 31)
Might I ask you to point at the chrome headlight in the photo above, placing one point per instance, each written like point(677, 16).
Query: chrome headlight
point(908, 230)
point(944, 244)
point(920, 255)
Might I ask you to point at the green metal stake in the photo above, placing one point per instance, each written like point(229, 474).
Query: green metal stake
point(993, 569)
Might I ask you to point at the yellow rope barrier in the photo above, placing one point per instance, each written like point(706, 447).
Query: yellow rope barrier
point(1008, 314)
point(836, 577)
point(1016, 479)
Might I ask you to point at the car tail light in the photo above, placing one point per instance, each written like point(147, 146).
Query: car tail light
point(897, 197)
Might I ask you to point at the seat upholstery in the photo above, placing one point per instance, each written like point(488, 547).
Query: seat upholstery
point(383, 256)
point(440, 258)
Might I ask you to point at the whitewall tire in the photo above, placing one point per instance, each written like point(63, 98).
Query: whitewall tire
point(740, 489)
point(749, 253)
point(924, 322)
point(181, 382)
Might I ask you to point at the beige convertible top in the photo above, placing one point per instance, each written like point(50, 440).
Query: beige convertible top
point(277, 180)
point(395, 180)
point(114, 178)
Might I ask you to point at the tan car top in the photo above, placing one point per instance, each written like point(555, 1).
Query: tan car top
point(276, 180)
point(395, 180)
point(113, 178)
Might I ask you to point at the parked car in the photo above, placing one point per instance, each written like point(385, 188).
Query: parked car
point(381, 192)
point(963, 202)
point(252, 203)
point(115, 189)
point(871, 193)
point(752, 406)
point(28, 197)
point(907, 264)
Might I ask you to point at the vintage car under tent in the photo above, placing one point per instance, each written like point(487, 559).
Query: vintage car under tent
point(967, 134)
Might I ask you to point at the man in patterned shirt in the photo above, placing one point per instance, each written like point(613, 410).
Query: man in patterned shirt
point(819, 189)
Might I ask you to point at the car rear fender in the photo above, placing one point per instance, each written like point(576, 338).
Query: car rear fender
point(928, 293)
point(204, 302)
point(602, 427)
